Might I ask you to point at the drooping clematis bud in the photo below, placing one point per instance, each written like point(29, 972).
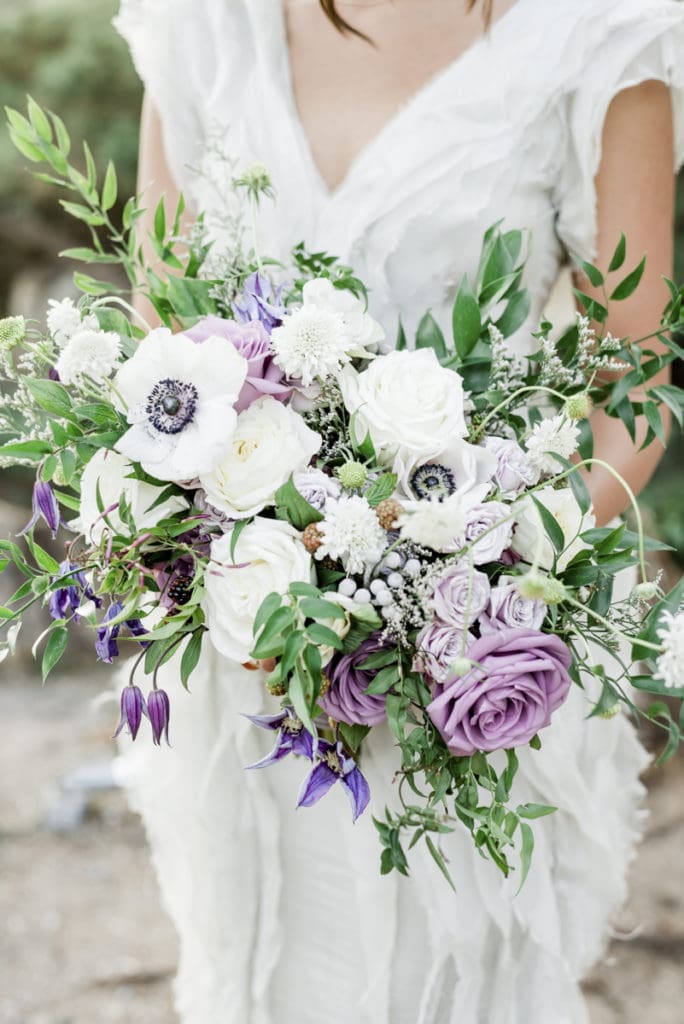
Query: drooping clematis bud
point(159, 714)
point(132, 709)
point(45, 507)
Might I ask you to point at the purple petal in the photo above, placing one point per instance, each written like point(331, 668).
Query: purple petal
point(316, 785)
point(302, 745)
point(282, 748)
point(45, 504)
point(132, 709)
point(358, 791)
point(159, 714)
point(267, 721)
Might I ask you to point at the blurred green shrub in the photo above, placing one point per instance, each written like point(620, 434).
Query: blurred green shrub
point(68, 56)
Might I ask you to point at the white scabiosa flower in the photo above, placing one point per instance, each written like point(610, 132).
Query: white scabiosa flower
point(557, 435)
point(670, 664)
point(330, 328)
point(438, 524)
point(89, 354)
point(269, 444)
point(64, 320)
point(351, 533)
point(179, 400)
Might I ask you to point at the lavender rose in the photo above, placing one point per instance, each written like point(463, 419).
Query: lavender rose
point(519, 680)
point(460, 596)
point(492, 516)
point(264, 376)
point(316, 487)
point(438, 647)
point(508, 610)
point(513, 471)
point(346, 699)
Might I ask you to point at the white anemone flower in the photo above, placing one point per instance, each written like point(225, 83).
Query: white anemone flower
point(89, 354)
point(179, 399)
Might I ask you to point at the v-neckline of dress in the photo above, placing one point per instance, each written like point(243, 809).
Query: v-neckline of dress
point(413, 101)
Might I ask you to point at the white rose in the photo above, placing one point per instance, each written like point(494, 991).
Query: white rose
point(408, 403)
point(269, 444)
point(530, 539)
point(110, 473)
point(269, 556)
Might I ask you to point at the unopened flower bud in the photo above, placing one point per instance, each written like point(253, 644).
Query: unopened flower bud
point(159, 713)
point(645, 591)
point(352, 475)
point(388, 511)
point(611, 712)
point(535, 587)
point(132, 709)
point(578, 407)
point(12, 331)
point(312, 538)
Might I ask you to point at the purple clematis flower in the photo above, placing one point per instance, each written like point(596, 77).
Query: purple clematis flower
point(335, 765)
point(159, 714)
point(68, 599)
point(45, 507)
point(293, 738)
point(132, 709)
point(106, 646)
point(260, 301)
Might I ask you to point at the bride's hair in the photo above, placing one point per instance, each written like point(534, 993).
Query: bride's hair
point(330, 9)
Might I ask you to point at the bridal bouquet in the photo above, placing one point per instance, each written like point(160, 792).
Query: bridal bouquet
point(400, 535)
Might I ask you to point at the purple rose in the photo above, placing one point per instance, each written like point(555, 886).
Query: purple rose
point(508, 610)
point(460, 595)
point(438, 646)
point(316, 487)
point(513, 472)
point(264, 376)
point(346, 699)
point(493, 519)
point(519, 678)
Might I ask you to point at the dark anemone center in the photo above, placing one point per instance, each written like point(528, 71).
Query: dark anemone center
point(433, 481)
point(171, 405)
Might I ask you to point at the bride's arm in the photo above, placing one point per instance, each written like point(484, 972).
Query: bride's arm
point(635, 194)
point(154, 181)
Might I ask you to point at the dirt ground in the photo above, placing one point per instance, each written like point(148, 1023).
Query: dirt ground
point(84, 941)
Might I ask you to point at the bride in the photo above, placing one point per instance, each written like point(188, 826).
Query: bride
point(396, 132)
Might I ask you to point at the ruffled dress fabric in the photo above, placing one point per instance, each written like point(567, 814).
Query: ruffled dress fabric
point(283, 915)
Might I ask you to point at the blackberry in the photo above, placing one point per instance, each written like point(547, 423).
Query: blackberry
point(180, 590)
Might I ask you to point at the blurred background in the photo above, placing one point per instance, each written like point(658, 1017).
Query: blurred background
point(83, 937)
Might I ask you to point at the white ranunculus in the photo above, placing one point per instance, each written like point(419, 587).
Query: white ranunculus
point(530, 539)
point(408, 403)
point(269, 444)
point(109, 473)
point(180, 400)
point(269, 556)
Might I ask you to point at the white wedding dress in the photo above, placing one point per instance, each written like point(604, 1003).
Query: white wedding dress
point(283, 915)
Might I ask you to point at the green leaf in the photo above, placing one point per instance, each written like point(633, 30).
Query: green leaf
point(296, 509)
point(401, 338)
point(160, 221)
point(317, 608)
point(55, 648)
point(581, 491)
point(384, 681)
point(618, 257)
point(439, 861)
point(354, 735)
point(551, 526)
point(268, 606)
point(655, 420)
point(299, 589)
point(50, 396)
point(323, 636)
point(39, 120)
point(526, 853)
point(381, 489)
point(466, 321)
point(235, 536)
point(91, 286)
point(515, 314)
point(191, 656)
point(82, 213)
point(43, 559)
point(110, 187)
point(593, 273)
point(430, 335)
point(33, 450)
point(629, 284)
point(297, 692)
point(532, 811)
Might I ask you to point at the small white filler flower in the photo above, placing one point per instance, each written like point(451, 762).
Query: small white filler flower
point(352, 533)
point(670, 664)
point(555, 436)
point(89, 354)
point(64, 320)
point(179, 399)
